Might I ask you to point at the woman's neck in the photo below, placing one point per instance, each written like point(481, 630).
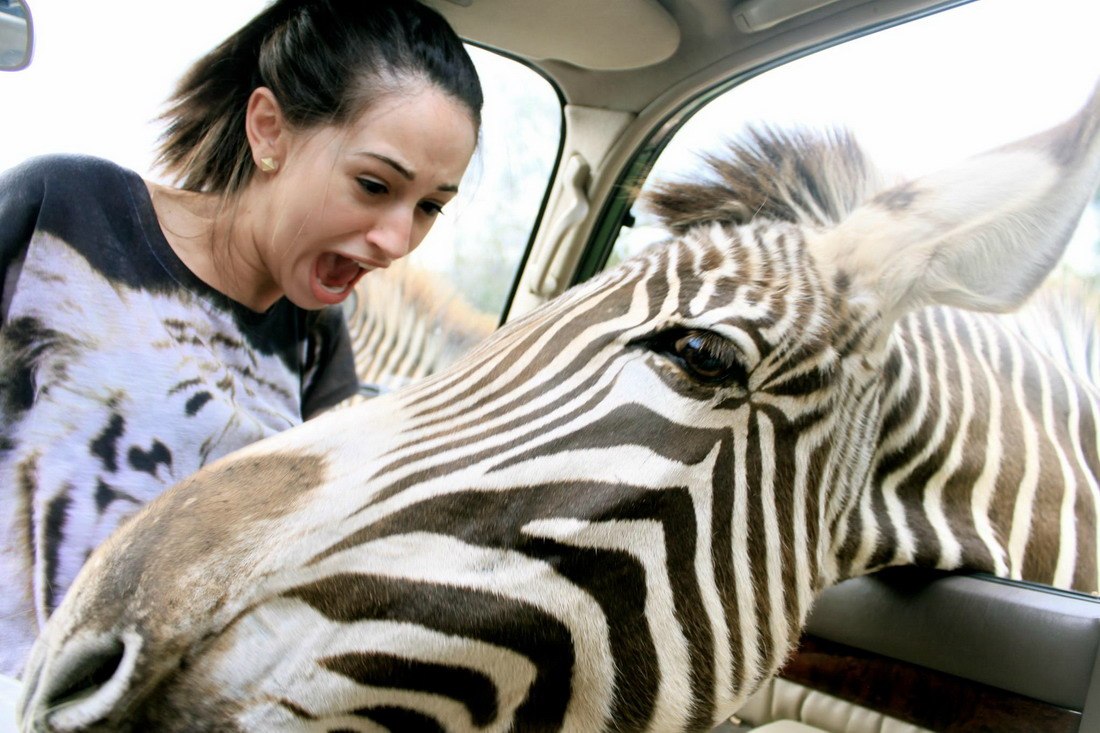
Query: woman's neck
point(213, 237)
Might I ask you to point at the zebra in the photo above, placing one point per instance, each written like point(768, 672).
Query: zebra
point(615, 514)
point(406, 322)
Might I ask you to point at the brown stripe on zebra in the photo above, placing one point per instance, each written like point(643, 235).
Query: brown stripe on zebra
point(253, 491)
point(538, 636)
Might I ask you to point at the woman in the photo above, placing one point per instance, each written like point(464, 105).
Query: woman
point(147, 329)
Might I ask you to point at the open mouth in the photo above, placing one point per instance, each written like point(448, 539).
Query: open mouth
point(334, 275)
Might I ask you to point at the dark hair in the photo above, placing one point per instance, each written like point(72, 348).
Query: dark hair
point(324, 60)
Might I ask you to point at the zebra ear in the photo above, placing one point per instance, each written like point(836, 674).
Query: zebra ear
point(981, 235)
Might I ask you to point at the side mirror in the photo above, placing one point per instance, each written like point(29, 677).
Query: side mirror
point(16, 35)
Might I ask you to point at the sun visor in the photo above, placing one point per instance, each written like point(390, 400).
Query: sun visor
point(606, 35)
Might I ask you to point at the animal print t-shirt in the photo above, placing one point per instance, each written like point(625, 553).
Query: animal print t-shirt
point(121, 373)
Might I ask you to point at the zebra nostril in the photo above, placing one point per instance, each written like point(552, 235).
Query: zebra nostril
point(88, 674)
point(86, 681)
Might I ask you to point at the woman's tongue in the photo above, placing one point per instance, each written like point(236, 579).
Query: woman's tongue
point(336, 272)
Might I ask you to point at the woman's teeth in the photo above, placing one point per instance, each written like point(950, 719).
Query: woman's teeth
point(340, 289)
point(334, 291)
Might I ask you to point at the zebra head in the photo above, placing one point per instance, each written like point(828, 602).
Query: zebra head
point(613, 515)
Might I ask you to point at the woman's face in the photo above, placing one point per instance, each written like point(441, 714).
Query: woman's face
point(349, 199)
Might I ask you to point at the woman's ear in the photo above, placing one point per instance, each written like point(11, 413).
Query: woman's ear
point(266, 129)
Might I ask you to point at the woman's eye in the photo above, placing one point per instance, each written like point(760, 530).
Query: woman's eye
point(431, 208)
point(372, 186)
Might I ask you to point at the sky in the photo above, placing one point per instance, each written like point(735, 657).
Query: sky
point(101, 72)
point(929, 92)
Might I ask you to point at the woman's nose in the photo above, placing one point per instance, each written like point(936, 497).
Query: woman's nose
point(392, 234)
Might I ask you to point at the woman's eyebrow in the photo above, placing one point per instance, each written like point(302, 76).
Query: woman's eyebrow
point(402, 170)
point(405, 172)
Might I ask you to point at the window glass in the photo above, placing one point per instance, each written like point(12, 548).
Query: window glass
point(918, 96)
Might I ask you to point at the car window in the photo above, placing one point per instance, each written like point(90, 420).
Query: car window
point(918, 96)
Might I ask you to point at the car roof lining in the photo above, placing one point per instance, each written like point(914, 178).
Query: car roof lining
point(635, 51)
point(581, 33)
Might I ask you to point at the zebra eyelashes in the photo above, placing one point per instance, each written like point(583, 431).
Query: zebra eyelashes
point(704, 356)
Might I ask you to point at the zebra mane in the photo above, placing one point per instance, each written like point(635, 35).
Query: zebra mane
point(802, 176)
point(455, 321)
point(406, 322)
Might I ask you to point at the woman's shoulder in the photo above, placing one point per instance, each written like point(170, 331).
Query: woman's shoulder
point(69, 169)
point(67, 192)
point(92, 205)
point(47, 191)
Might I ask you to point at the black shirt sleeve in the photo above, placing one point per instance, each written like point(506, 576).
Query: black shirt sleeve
point(21, 191)
point(329, 376)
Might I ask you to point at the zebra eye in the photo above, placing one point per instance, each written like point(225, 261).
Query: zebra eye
point(706, 356)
